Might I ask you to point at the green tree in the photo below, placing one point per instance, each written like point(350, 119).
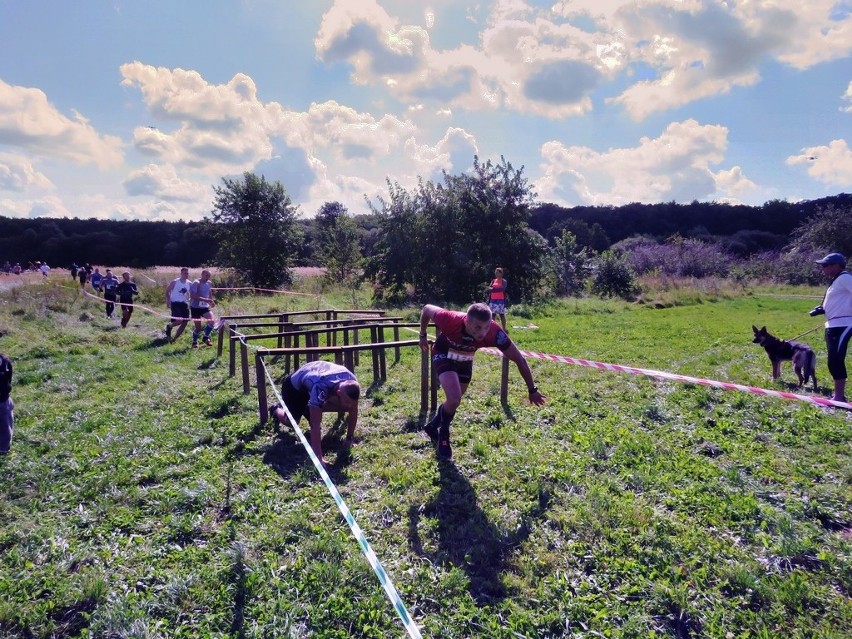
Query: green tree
point(614, 277)
point(442, 241)
point(255, 225)
point(573, 264)
point(827, 230)
point(336, 242)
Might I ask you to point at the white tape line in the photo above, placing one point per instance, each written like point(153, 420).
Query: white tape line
point(631, 370)
point(387, 584)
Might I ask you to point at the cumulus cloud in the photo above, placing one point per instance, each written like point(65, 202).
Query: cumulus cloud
point(847, 97)
point(361, 32)
point(674, 166)
point(218, 127)
point(48, 206)
point(28, 121)
point(550, 62)
point(831, 164)
point(453, 153)
point(18, 174)
point(161, 181)
point(350, 134)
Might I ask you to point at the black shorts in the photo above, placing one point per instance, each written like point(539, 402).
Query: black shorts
point(443, 364)
point(198, 313)
point(295, 400)
point(180, 309)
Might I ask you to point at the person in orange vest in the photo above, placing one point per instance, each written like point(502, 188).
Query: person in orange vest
point(497, 296)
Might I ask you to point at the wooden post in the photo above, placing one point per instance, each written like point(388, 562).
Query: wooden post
point(222, 327)
point(375, 353)
point(288, 339)
point(383, 370)
point(355, 341)
point(396, 339)
point(244, 360)
point(424, 383)
point(282, 319)
point(232, 345)
point(262, 407)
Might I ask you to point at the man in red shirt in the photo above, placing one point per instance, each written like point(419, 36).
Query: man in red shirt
point(461, 335)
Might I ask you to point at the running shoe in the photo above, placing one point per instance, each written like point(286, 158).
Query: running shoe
point(445, 451)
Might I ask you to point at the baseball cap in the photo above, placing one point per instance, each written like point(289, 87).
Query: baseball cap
point(833, 258)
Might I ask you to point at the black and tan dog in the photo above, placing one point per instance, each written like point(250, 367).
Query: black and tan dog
point(779, 350)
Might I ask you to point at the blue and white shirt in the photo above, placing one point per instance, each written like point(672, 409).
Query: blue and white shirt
point(318, 379)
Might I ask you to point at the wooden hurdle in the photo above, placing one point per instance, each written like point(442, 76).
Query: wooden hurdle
point(290, 339)
point(284, 317)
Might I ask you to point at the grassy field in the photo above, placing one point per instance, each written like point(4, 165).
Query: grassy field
point(143, 499)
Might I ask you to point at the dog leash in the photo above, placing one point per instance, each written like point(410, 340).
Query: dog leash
point(805, 333)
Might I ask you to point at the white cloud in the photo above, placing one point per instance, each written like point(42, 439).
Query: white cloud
point(733, 183)
point(700, 49)
point(830, 165)
point(350, 134)
point(551, 62)
point(30, 123)
point(220, 128)
point(49, 206)
point(361, 32)
point(848, 98)
point(453, 153)
point(18, 174)
point(163, 182)
point(674, 166)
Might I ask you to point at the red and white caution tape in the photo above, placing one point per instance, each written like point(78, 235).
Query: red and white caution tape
point(674, 377)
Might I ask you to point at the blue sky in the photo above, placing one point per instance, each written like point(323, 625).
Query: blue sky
point(135, 110)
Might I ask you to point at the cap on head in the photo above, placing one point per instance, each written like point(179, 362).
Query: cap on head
point(833, 258)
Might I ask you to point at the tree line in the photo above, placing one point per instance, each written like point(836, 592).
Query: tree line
point(440, 239)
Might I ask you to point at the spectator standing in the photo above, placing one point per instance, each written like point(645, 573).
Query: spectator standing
point(200, 302)
point(497, 296)
point(44, 268)
point(7, 407)
point(837, 308)
point(126, 290)
point(177, 300)
point(109, 283)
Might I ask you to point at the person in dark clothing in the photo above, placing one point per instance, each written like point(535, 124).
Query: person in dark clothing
point(7, 407)
point(126, 290)
point(109, 283)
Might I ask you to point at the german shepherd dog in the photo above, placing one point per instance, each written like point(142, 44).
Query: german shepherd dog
point(779, 350)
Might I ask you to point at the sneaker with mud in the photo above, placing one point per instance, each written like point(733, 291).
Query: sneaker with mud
point(208, 341)
point(195, 345)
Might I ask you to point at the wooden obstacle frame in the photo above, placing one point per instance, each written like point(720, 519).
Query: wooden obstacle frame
point(347, 354)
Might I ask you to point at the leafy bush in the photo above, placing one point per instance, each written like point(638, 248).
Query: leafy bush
point(614, 277)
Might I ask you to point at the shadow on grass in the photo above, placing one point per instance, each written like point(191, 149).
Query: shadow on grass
point(287, 456)
point(466, 538)
point(157, 342)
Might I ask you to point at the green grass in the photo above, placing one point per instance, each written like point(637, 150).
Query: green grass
point(142, 498)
